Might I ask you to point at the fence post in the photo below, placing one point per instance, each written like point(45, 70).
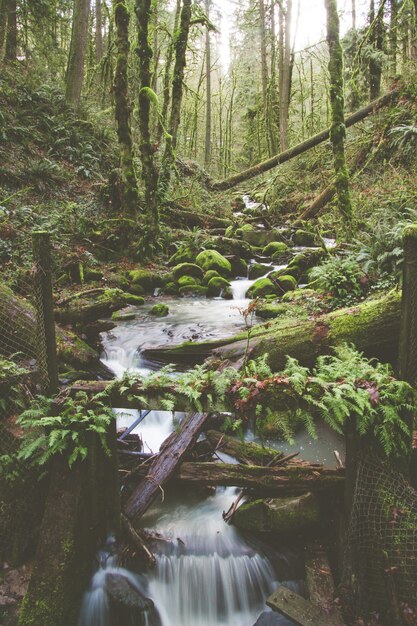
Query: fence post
point(47, 357)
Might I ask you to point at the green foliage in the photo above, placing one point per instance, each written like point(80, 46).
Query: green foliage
point(48, 434)
point(340, 277)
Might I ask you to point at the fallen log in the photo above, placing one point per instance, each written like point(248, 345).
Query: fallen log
point(172, 452)
point(246, 452)
point(320, 583)
point(294, 478)
point(300, 148)
point(372, 326)
point(299, 610)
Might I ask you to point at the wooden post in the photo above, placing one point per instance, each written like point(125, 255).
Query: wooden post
point(47, 358)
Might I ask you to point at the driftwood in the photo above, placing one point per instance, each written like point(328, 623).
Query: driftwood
point(136, 537)
point(320, 583)
point(300, 148)
point(299, 610)
point(244, 451)
point(172, 452)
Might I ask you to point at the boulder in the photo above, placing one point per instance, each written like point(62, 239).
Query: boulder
point(120, 316)
point(187, 269)
point(283, 516)
point(193, 290)
point(275, 246)
point(237, 203)
point(263, 287)
point(186, 281)
point(209, 275)
point(147, 279)
point(304, 238)
point(171, 289)
point(239, 266)
point(213, 260)
point(216, 285)
point(133, 299)
point(226, 245)
point(287, 283)
point(256, 270)
point(159, 310)
point(183, 255)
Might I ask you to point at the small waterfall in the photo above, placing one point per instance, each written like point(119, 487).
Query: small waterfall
point(239, 288)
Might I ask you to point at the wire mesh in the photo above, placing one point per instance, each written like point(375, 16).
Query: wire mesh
point(381, 547)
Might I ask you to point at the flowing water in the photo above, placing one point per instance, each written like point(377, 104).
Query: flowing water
point(207, 573)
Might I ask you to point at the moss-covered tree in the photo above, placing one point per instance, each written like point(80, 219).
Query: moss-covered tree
point(77, 52)
point(338, 128)
point(122, 108)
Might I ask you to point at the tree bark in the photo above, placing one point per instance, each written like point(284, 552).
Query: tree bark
point(300, 148)
point(207, 147)
point(99, 31)
point(78, 51)
point(172, 452)
point(3, 27)
point(245, 452)
point(122, 108)
point(176, 99)
point(149, 171)
point(285, 79)
point(264, 73)
point(167, 72)
point(338, 128)
point(11, 32)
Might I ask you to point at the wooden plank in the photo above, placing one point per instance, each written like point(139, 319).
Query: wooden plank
point(299, 610)
point(320, 583)
point(171, 454)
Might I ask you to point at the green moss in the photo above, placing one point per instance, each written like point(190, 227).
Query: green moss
point(187, 269)
point(185, 281)
point(261, 288)
point(282, 516)
point(171, 289)
point(213, 260)
point(269, 311)
point(209, 275)
point(159, 310)
point(228, 246)
point(133, 299)
point(147, 279)
point(287, 283)
point(193, 290)
point(275, 246)
point(410, 232)
point(257, 270)
point(118, 316)
point(304, 238)
point(239, 266)
point(216, 285)
point(183, 255)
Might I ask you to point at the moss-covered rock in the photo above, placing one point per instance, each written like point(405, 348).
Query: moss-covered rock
point(159, 310)
point(216, 285)
point(120, 316)
point(171, 289)
point(193, 290)
point(287, 283)
point(136, 290)
point(282, 516)
point(147, 279)
point(304, 238)
point(213, 260)
point(256, 270)
point(187, 269)
point(133, 299)
point(209, 275)
point(239, 266)
point(246, 228)
point(270, 310)
point(237, 203)
point(275, 246)
point(227, 293)
point(261, 288)
point(185, 281)
point(228, 246)
point(92, 274)
point(183, 255)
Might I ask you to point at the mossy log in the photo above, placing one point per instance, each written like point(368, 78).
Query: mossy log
point(372, 326)
point(243, 451)
point(83, 311)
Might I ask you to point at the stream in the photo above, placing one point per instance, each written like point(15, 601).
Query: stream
point(207, 573)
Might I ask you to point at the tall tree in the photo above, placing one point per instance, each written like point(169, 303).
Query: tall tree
point(376, 40)
point(99, 31)
point(78, 50)
point(393, 34)
point(338, 128)
point(147, 149)
point(122, 108)
point(11, 31)
point(285, 68)
point(166, 92)
point(264, 71)
point(3, 26)
point(207, 147)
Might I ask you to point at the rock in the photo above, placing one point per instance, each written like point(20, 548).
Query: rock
point(225, 245)
point(118, 316)
point(246, 228)
point(159, 310)
point(239, 266)
point(171, 289)
point(227, 293)
point(287, 283)
point(260, 238)
point(304, 261)
point(183, 255)
point(238, 203)
point(267, 311)
point(185, 281)
point(187, 269)
point(256, 270)
point(216, 285)
point(193, 290)
point(91, 274)
point(275, 246)
point(133, 299)
point(209, 275)
point(136, 290)
point(147, 279)
point(279, 515)
point(262, 287)
point(304, 238)
point(213, 260)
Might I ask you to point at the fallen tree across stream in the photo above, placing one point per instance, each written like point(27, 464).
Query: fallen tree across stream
point(300, 148)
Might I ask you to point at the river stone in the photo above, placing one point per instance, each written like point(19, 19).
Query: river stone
point(260, 238)
point(216, 285)
point(121, 590)
point(119, 316)
point(279, 515)
point(257, 270)
point(183, 255)
point(133, 299)
point(187, 269)
point(186, 281)
point(209, 275)
point(159, 310)
point(304, 238)
point(193, 290)
point(147, 279)
point(261, 288)
point(213, 260)
point(226, 245)
point(273, 247)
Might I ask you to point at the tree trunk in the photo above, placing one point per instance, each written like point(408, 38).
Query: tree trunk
point(3, 26)
point(376, 41)
point(338, 128)
point(285, 79)
point(244, 451)
point(77, 53)
point(172, 452)
point(122, 108)
point(264, 72)
point(149, 171)
point(207, 147)
point(354, 14)
point(167, 73)
point(11, 32)
point(99, 31)
point(176, 99)
point(393, 34)
point(300, 148)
